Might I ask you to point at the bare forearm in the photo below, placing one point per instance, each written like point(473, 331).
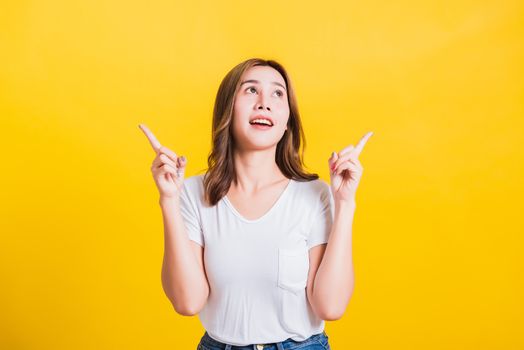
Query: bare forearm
point(334, 281)
point(183, 279)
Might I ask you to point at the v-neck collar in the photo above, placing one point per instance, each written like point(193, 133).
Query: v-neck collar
point(279, 199)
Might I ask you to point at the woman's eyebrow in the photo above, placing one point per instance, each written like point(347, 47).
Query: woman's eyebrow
point(256, 81)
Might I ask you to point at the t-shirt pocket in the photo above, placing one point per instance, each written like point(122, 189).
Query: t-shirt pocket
point(293, 267)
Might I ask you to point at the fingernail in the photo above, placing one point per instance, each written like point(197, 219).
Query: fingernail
point(333, 154)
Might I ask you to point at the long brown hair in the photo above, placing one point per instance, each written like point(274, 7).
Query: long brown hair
point(289, 154)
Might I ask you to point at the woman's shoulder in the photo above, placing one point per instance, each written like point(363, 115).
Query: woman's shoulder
point(194, 184)
point(313, 187)
point(194, 179)
point(313, 194)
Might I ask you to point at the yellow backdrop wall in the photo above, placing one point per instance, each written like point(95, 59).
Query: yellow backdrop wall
point(437, 237)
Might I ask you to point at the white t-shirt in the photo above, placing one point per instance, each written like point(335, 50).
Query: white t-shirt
point(257, 269)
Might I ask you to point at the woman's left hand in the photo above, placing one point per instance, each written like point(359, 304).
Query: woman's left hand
point(346, 170)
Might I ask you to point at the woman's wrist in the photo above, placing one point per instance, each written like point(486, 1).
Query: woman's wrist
point(169, 201)
point(351, 203)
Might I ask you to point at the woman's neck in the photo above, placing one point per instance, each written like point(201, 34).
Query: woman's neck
point(256, 169)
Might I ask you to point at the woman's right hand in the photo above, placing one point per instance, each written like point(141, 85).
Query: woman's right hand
point(168, 169)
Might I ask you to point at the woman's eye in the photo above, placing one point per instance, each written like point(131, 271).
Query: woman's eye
point(252, 88)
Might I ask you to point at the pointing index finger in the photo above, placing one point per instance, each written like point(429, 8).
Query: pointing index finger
point(152, 139)
point(362, 142)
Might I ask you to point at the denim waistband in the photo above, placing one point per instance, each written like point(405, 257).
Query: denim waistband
point(287, 344)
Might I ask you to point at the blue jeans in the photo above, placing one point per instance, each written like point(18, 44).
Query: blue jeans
point(315, 342)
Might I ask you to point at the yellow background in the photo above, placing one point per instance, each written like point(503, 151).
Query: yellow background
point(438, 228)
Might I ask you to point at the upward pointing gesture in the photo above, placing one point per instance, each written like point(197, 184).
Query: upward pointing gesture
point(346, 170)
point(168, 169)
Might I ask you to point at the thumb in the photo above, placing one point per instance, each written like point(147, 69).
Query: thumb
point(332, 159)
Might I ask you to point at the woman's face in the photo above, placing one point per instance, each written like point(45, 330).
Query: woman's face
point(261, 95)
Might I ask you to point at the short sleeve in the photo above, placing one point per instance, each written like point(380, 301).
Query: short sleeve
point(322, 218)
point(189, 212)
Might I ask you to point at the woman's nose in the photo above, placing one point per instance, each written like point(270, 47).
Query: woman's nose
point(263, 102)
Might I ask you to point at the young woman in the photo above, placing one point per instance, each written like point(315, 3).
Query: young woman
point(256, 246)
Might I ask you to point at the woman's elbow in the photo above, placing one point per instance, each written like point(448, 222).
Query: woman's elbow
point(332, 312)
point(189, 308)
point(332, 315)
point(185, 309)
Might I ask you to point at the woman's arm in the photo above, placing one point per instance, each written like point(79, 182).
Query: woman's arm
point(183, 276)
point(334, 281)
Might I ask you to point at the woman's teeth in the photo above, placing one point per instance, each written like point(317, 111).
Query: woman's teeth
point(261, 122)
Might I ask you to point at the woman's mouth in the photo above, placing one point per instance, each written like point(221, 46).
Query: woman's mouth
point(261, 122)
point(261, 126)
